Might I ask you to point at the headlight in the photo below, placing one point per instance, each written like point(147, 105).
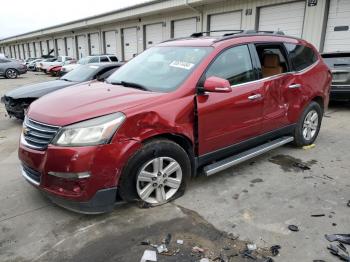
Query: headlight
point(95, 131)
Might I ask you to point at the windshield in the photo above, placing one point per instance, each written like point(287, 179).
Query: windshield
point(81, 73)
point(160, 69)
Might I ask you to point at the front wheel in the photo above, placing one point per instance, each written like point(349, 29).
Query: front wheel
point(308, 125)
point(156, 174)
point(11, 73)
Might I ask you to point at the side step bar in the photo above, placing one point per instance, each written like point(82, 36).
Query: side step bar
point(246, 155)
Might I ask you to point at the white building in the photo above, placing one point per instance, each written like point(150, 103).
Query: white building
point(129, 31)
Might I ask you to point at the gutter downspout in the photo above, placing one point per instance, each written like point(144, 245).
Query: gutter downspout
point(196, 11)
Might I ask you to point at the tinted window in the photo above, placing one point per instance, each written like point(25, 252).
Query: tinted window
point(234, 64)
point(337, 60)
point(301, 56)
point(113, 58)
point(106, 73)
point(104, 59)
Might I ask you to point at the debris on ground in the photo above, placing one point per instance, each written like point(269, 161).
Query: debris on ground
point(348, 204)
point(251, 247)
point(275, 250)
point(145, 243)
point(342, 238)
point(197, 250)
point(167, 239)
point(180, 242)
point(318, 215)
point(204, 259)
point(293, 228)
point(162, 249)
point(309, 146)
point(149, 255)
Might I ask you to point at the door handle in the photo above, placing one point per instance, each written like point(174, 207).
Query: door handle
point(254, 97)
point(294, 86)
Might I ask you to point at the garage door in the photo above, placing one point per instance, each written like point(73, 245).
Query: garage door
point(338, 26)
point(26, 50)
point(82, 46)
point(51, 47)
point(183, 28)
point(288, 18)
point(21, 51)
point(94, 44)
point(31, 50)
point(110, 43)
point(61, 50)
point(153, 34)
point(70, 46)
point(37, 49)
point(44, 47)
point(129, 43)
point(226, 21)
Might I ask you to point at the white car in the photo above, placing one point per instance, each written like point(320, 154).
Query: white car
point(60, 61)
point(88, 60)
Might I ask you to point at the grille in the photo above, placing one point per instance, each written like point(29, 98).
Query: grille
point(38, 135)
point(31, 174)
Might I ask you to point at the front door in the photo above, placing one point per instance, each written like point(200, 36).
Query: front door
point(225, 119)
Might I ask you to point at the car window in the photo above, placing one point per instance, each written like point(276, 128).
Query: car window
point(337, 60)
point(104, 74)
point(233, 64)
point(113, 58)
point(59, 59)
point(301, 56)
point(162, 68)
point(94, 59)
point(104, 59)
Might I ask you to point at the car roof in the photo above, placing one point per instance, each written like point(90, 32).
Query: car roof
point(106, 64)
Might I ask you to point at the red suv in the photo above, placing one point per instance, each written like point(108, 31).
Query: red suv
point(188, 106)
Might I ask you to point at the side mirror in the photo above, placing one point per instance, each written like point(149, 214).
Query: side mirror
point(217, 85)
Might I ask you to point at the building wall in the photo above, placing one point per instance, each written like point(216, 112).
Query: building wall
point(313, 29)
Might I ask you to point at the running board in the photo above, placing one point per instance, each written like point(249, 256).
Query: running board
point(246, 155)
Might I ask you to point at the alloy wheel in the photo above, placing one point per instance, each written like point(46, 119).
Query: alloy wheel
point(310, 125)
point(11, 73)
point(158, 180)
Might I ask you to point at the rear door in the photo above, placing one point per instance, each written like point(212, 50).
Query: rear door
point(225, 119)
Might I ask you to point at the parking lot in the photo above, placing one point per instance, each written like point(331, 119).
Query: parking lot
point(255, 201)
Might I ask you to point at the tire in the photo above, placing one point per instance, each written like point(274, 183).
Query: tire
point(307, 129)
point(11, 73)
point(163, 153)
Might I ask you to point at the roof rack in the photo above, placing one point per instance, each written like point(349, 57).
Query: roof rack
point(228, 32)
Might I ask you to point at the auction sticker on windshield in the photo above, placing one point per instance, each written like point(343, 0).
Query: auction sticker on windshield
point(182, 64)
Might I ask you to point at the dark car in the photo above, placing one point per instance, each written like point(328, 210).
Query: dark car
point(182, 107)
point(19, 99)
point(339, 63)
point(10, 68)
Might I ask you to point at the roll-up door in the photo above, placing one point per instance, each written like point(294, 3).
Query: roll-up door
point(44, 49)
point(338, 26)
point(37, 49)
point(21, 51)
point(82, 46)
point(110, 42)
point(129, 43)
point(153, 34)
point(61, 50)
point(288, 18)
point(70, 46)
point(185, 27)
point(94, 44)
point(26, 50)
point(225, 21)
point(52, 47)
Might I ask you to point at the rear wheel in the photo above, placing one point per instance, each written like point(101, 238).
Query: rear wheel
point(156, 174)
point(11, 73)
point(308, 125)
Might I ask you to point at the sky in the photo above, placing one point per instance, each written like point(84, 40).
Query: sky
point(27, 15)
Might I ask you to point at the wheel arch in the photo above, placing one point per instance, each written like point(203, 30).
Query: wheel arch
point(320, 101)
point(183, 141)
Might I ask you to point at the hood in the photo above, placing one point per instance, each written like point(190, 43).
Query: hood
point(87, 101)
point(38, 90)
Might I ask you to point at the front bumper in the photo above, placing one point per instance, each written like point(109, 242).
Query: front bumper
point(14, 108)
point(340, 93)
point(95, 194)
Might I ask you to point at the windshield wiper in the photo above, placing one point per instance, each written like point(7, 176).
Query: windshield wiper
point(130, 84)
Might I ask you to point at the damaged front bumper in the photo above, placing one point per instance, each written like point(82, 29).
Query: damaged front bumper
point(14, 108)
